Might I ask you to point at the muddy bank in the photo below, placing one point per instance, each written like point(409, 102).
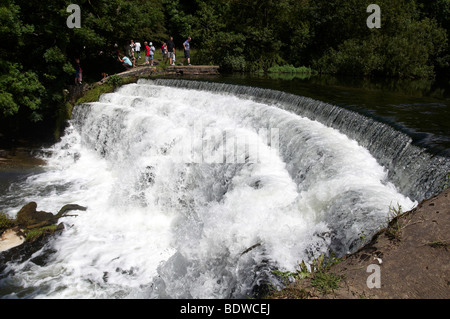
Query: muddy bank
point(20, 157)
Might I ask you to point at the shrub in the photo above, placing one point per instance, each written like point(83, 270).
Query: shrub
point(5, 222)
point(114, 80)
point(290, 69)
point(409, 52)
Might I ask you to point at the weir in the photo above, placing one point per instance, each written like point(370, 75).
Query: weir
point(416, 172)
point(160, 227)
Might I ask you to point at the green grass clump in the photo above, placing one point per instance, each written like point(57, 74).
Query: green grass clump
point(393, 231)
point(318, 272)
point(113, 81)
point(93, 94)
point(5, 222)
point(325, 282)
point(33, 234)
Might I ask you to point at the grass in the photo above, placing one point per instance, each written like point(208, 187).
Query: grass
point(325, 282)
point(5, 222)
point(393, 231)
point(288, 72)
point(318, 272)
point(33, 234)
point(291, 69)
point(94, 93)
point(322, 279)
point(447, 181)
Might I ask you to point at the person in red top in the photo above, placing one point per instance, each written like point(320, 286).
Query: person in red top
point(147, 53)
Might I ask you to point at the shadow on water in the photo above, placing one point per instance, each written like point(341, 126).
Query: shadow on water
point(419, 108)
point(16, 165)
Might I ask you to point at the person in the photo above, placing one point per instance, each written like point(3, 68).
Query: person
point(164, 51)
point(128, 48)
point(137, 48)
point(187, 48)
point(131, 53)
point(78, 72)
point(126, 62)
point(152, 52)
point(147, 53)
point(117, 49)
point(171, 51)
point(133, 59)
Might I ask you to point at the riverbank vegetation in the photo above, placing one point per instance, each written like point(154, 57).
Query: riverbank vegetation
point(96, 90)
point(38, 49)
point(317, 275)
point(5, 222)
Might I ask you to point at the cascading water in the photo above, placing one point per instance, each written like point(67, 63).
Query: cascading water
point(203, 193)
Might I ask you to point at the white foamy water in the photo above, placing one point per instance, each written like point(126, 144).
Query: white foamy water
point(195, 194)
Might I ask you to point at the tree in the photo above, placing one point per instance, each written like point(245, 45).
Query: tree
point(20, 90)
point(439, 10)
point(406, 45)
point(38, 52)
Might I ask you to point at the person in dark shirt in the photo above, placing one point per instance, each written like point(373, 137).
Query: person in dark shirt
point(170, 50)
point(78, 72)
point(187, 48)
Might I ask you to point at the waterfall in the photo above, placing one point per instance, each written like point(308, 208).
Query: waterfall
point(201, 190)
point(417, 173)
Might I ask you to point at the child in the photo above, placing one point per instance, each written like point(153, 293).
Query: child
point(164, 52)
point(152, 52)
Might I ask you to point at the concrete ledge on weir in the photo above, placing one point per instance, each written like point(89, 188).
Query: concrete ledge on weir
point(143, 71)
point(74, 92)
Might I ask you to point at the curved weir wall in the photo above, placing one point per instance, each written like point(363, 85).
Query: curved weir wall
point(417, 173)
point(201, 190)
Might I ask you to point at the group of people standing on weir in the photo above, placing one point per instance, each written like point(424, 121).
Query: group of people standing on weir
point(132, 54)
point(134, 51)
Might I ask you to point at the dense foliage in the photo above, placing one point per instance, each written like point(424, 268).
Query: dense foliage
point(38, 49)
point(329, 36)
point(38, 52)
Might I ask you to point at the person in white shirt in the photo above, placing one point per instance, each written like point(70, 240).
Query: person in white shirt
point(137, 49)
